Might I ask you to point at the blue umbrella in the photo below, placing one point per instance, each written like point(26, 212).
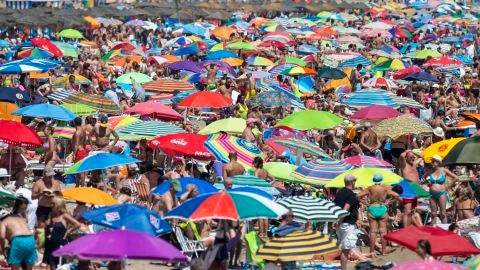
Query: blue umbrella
point(464, 58)
point(451, 39)
point(195, 29)
point(307, 49)
point(185, 51)
point(210, 42)
point(271, 99)
point(202, 186)
point(4, 44)
point(253, 190)
point(26, 66)
point(46, 111)
point(154, 51)
point(420, 76)
point(354, 62)
point(100, 161)
point(180, 96)
point(11, 94)
point(128, 216)
point(220, 54)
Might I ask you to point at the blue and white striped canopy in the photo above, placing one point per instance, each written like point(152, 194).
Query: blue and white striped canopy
point(354, 62)
point(319, 172)
point(360, 99)
point(26, 66)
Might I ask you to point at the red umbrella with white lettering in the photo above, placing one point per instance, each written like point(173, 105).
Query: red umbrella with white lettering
point(183, 144)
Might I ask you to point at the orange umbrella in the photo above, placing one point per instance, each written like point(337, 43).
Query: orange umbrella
point(37, 75)
point(329, 31)
point(465, 124)
point(6, 110)
point(234, 62)
point(89, 43)
point(93, 23)
point(472, 116)
point(89, 195)
point(223, 32)
point(134, 58)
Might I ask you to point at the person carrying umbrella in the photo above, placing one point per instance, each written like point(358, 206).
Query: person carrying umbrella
point(378, 210)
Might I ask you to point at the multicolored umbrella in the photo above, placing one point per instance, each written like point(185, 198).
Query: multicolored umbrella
point(100, 161)
point(464, 153)
point(319, 172)
point(364, 177)
point(46, 111)
point(121, 121)
point(99, 103)
point(204, 99)
point(155, 110)
point(79, 79)
point(297, 246)
point(368, 162)
point(183, 144)
point(259, 61)
point(26, 66)
point(233, 126)
point(280, 170)
point(310, 119)
point(34, 53)
point(47, 45)
point(120, 245)
point(201, 186)
point(299, 71)
point(241, 181)
point(401, 125)
point(67, 49)
point(271, 99)
point(227, 205)
point(15, 133)
point(222, 144)
point(378, 82)
point(473, 263)
point(89, 195)
point(303, 146)
point(375, 113)
point(391, 64)
point(307, 208)
point(441, 148)
point(412, 190)
point(240, 45)
point(365, 98)
point(146, 130)
point(354, 62)
point(427, 264)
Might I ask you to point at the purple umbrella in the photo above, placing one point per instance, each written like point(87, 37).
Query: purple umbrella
point(222, 66)
point(120, 245)
point(186, 65)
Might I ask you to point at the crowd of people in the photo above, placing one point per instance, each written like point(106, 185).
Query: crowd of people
point(454, 194)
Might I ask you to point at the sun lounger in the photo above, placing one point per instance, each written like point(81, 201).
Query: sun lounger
point(189, 247)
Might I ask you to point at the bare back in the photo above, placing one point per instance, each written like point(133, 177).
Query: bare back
point(378, 193)
point(14, 226)
point(234, 168)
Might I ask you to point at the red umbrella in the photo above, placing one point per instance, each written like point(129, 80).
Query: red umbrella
point(204, 99)
point(443, 242)
point(15, 133)
point(405, 72)
point(443, 61)
point(156, 110)
point(46, 45)
point(278, 148)
point(124, 46)
point(375, 113)
point(275, 43)
point(183, 144)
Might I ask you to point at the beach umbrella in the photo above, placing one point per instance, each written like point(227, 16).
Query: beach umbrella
point(306, 208)
point(222, 32)
point(259, 61)
point(310, 119)
point(392, 64)
point(427, 264)
point(371, 33)
point(89, 195)
point(79, 109)
point(466, 60)
point(234, 126)
point(464, 152)
point(220, 54)
point(205, 99)
point(137, 76)
point(147, 130)
point(280, 170)
point(441, 148)
point(127, 46)
point(6, 109)
point(295, 60)
point(472, 263)
point(46, 111)
point(47, 45)
point(7, 198)
point(425, 53)
point(227, 205)
point(4, 44)
point(34, 53)
point(278, 69)
point(375, 113)
point(242, 181)
point(11, 94)
point(100, 161)
point(155, 110)
point(186, 65)
point(420, 76)
point(167, 85)
point(220, 145)
point(319, 172)
point(270, 99)
point(15, 133)
point(299, 71)
point(26, 66)
point(412, 190)
point(368, 162)
point(354, 62)
point(70, 33)
point(163, 59)
point(185, 51)
point(273, 43)
point(183, 144)
point(297, 246)
point(443, 61)
point(241, 45)
point(179, 41)
point(79, 79)
point(457, 245)
point(119, 245)
point(302, 146)
point(99, 103)
point(364, 177)
point(378, 82)
point(327, 72)
point(365, 98)
point(401, 125)
point(67, 49)
point(182, 183)
point(121, 120)
point(378, 25)
point(128, 216)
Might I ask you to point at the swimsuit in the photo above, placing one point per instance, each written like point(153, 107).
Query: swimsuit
point(22, 250)
point(377, 211)
point(440, 181)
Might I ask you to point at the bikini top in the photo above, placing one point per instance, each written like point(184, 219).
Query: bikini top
point(440, 180)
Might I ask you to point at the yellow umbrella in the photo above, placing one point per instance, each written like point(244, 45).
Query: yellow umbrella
point(234, 62)
point(401, 125)
point(223, 32)
point(89, 195)
point(441, 148)
point(365, 177)
point(79, 79)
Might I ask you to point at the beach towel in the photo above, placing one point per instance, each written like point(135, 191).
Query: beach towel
point(253, 242)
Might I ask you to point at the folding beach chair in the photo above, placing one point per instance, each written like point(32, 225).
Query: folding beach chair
point(189, 247)
point(140, 193)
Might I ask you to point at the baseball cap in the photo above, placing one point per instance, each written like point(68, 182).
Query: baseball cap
point(104, 121)
point(49, 171)
point(176, 185)
point(377, 178)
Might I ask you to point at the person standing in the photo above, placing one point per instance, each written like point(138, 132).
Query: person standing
point(43, 190)
point(233, 167)
point(80, 151)
point(346, 230)
point(102, 133)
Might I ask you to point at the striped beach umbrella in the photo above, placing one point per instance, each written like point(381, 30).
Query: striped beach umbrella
point(240, 181)
point(367, 162)
point(319, 172)
point(99, 103)
point(303, 146)
point(297, 246)
point(222, 144)
point(167, 86)
point(402, 125)
point(271, 99)
point(377, 82)
point(353, 62)
point(365, 98)
point(147, 129)
point(79, 109)
point(27, 66)
point(307, 208)
point(259, 61)
point(61, 132)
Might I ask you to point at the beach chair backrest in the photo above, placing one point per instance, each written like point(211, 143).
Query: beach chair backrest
point(141, 192)
point(182, 240)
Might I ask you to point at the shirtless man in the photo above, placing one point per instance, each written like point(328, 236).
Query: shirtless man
point(378, 210)
point(168, 200)
point(369, 141)
point(248, 131)
point(79, 151)
point(43, 190)
point(379, 41)
point(102, 134)
point(211, 74)
point(408, 169)
point(178, 170)
point(233, 167)
point(15, 230)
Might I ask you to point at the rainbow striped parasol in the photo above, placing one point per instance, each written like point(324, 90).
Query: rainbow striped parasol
point(61, 132)
point(99, 103)
point(319, 172)
point(223, 144)
point(167, 86)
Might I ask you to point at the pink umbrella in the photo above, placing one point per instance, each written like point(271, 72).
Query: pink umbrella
point(155, 110)
point(378, 82)
point(375, 113)
point(368, 162)
point(427, 265)
point(375, 32)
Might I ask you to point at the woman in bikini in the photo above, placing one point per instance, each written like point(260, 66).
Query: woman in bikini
point(437, 181)
point(465, 204)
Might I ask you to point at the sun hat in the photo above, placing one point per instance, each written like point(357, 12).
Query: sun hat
point(438, 131)
point(437, 158)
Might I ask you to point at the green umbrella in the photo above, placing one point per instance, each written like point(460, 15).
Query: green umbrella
point(310, 119)
point(327, 72)
point(70, 33)
point(240, 45)
point(67, 49)
point(79, 109)
point(423, 54)
point(281, 170)
point(7, 198)
point(137, 76)
point(233, 126)
point(465, 152)
point(295, 60)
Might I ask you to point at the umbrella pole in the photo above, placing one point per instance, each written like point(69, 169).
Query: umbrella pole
point(124, 264)
point(10, 167)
